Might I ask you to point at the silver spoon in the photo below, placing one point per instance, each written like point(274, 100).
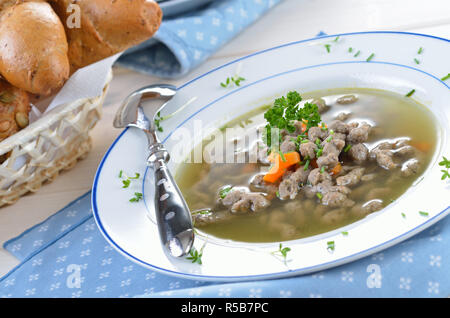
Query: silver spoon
point(172, 213)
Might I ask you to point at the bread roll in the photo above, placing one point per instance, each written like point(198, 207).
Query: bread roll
point(107, 27)
point(14, 109)
point(33, 47)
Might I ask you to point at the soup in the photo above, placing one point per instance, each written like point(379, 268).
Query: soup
point(369, 148)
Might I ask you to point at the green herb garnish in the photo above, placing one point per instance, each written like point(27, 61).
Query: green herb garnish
point(370, 57)
point(446, 164)
point(158, 118)
point(330, 246)
point(282, 251)
point(403, 215)
point(224, 191)
point(196, 256)
point(345, 233)
point(417, 61)
point(236, 80)
point(410, 93)
point(328, 47)
point(446, 77)
point(126, 183)
point(350, 50)
point(285, 111)
point(137, 197)
point(319, 152)
point(157, 122)
point(306, 165)
point(336, 39)
point(357, 53)
point(319, 195)
point(420, 50)
point(423, 213)
point(283, 158)
point(201, 212)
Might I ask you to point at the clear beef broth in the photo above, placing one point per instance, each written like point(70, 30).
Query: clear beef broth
point(393, 118)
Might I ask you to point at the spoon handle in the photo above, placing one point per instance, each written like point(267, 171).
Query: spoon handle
point(174, 218)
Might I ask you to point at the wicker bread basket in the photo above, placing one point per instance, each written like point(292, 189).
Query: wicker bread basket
point(53, 143)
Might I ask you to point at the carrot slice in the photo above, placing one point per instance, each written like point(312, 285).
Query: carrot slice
point(421, 145)
point(336, 169)
point(280, 165)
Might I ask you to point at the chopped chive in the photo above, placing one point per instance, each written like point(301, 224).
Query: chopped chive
point(304, 141)
point(350, 50)
point(137, 175)
point(327, 46)
point(224, 191)
point(357, 53)
point(410, 93)
point(403, 215)
point(223, 85)
point(423, 213)
point(344, 233)
point(446, 77)
point(120, 173)
point(417, 61)
point(202, 212)
point(319, 195)
point(283, 158)
point(319, 152)
point(322, 170)
point(347, 148)
point(370, 57)
point(336, 39)
point(420, 50)
point(306, 165)
point(331, 132)
point(277, 194)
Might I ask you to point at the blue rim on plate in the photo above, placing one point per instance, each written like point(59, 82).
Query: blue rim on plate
point(333, 263)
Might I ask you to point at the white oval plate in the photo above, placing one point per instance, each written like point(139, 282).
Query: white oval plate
point(303, 66)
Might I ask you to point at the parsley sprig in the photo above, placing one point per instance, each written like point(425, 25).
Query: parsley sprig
point(285, 111)
point(446, 164)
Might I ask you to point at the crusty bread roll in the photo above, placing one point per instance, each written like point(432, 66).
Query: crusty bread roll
point(33, 47)
point(14, 109)
point(107, 27)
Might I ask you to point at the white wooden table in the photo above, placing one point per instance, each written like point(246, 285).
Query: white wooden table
point(289, 21)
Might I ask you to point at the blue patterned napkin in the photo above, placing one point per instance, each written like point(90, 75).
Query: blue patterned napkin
point(184, 42)
point(66, 256)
